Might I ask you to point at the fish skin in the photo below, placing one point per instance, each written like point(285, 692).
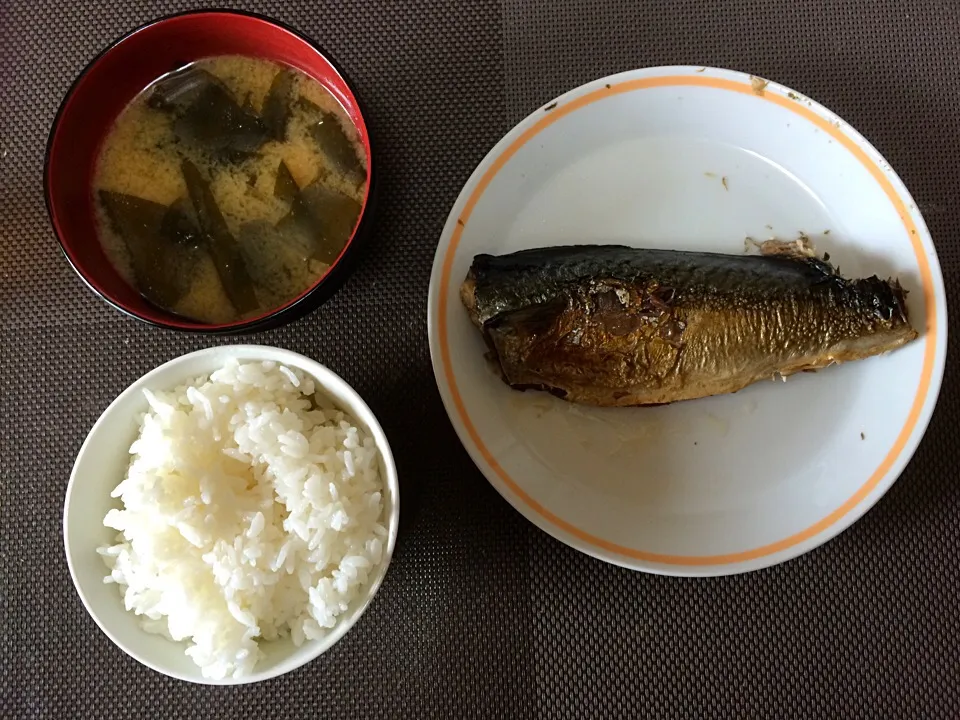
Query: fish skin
point(610, 325)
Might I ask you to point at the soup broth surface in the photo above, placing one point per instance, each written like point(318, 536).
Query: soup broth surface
point(229, 187)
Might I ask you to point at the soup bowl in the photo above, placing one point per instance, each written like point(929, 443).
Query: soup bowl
point(114, 78)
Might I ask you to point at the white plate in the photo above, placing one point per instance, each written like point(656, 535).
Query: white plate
point(699, 159)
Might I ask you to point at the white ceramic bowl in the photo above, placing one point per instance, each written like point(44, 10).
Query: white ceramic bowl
point(101, 465)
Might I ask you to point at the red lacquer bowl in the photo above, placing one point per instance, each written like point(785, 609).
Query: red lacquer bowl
point(112, 80)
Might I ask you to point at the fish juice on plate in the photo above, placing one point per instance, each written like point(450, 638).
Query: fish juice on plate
point(229, 187)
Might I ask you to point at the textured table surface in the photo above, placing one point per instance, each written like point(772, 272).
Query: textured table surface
point(482, 615)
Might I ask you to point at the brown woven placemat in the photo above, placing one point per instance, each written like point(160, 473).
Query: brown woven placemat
point(482, 615)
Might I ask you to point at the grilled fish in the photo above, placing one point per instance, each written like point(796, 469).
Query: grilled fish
point(616, 326)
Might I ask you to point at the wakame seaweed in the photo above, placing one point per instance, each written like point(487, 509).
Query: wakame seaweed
point(208, 116)
point(333, 141)
point(320, 217)
point(278, 105)
point(161, 263)
point(222, 245)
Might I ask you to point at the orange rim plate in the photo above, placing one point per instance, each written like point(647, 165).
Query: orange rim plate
point(692, 158)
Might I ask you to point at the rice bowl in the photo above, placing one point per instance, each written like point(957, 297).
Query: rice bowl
point(252, 519)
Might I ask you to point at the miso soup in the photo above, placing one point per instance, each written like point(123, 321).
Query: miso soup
point(228, 187)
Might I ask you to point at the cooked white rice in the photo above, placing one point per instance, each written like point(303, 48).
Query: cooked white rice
point(251, 510)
